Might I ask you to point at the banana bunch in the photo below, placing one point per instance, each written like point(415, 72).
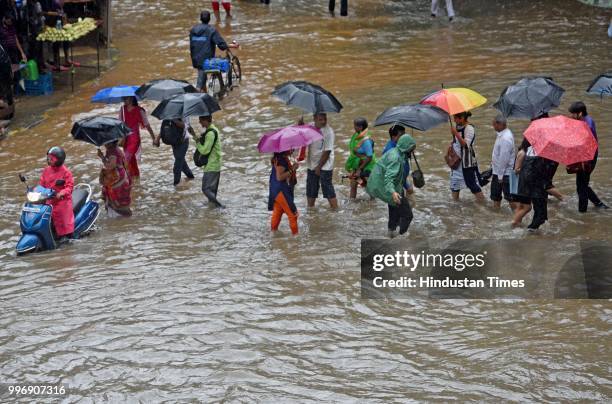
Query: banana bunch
point(69, 32)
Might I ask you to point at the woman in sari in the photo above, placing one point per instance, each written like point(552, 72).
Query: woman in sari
point(282, 183)
point(115, 180)
point(135, 117)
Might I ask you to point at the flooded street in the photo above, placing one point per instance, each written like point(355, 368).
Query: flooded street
point(183, 302)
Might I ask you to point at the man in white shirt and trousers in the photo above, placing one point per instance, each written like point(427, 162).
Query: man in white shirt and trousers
point(320, 164)
point(502, 162)
point(449, 9)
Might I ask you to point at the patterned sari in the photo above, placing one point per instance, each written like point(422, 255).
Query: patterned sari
point(116, 184)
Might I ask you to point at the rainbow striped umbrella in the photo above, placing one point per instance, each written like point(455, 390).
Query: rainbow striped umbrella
point(455, 100)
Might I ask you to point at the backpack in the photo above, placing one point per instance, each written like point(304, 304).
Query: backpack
point(170, 133)
point(199, 159)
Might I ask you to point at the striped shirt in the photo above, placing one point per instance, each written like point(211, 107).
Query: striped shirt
point(8, 36)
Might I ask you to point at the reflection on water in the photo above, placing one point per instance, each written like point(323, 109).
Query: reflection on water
point(184, 301)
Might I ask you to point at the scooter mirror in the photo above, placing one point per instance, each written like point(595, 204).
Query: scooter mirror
point(22, 178)
point(60, 183)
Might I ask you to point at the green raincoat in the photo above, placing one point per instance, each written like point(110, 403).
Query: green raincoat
point(386, 177)
point(353, 161)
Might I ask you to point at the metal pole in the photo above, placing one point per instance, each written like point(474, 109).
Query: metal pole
point(98, 48)
point(72, 68)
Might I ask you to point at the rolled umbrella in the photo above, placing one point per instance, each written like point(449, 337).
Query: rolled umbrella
point(454, 100)
point(99, 130)
point(529, 98)
point(417, 116)
point(601, 86)
point(562, 139)
point(186, 105)
point(161, 89)
point(291, 137)
point(307, 96)
point(113, 95)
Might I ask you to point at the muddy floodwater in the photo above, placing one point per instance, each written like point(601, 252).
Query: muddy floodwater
point(182, 302)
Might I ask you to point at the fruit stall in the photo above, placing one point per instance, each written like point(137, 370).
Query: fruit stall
point(72, 32)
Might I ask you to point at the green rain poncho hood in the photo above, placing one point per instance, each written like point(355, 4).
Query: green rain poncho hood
point(386, 177)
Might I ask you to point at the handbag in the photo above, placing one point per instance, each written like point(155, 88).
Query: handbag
point(485, 177)
point(418, 179)
point(452, 158)
point(582, 167)
point(514, 180)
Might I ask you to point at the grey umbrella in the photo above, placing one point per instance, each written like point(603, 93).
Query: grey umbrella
point(161, 89)
point(307, 96)
point(529, 98)
point(99, 130)
point(602, 85)
point(417, 116)
point(598, 3)
point(186, 105)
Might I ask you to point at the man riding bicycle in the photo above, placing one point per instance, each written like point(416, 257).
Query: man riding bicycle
point(203, 42)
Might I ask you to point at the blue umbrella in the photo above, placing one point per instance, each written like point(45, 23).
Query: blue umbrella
point(113, 95)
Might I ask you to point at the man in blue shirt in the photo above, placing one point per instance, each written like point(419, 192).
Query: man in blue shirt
point(578, 111)
point(203, 42)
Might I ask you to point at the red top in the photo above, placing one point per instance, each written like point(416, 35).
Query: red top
point(134, 119)
point(62, 215)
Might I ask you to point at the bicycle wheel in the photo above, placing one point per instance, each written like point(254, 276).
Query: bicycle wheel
point(236, 71)
point(214, 86)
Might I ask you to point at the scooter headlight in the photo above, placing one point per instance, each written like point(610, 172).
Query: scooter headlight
point(34, 197)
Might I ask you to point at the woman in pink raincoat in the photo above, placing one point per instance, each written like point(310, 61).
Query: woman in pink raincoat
point(59, 178)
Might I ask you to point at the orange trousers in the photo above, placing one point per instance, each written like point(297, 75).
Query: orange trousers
point(281, 206)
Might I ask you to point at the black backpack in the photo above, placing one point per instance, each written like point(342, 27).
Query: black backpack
point(199, 159)
point(170, 133)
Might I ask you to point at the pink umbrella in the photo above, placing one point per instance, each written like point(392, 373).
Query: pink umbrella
point(562, 139)
point(291, 137)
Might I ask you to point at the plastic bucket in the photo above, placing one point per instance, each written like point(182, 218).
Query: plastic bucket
point(31, 70)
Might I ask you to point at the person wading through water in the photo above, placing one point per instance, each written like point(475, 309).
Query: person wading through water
point(361, 159)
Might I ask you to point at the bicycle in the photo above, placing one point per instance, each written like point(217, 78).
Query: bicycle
point(224, 79)
point(235, 72)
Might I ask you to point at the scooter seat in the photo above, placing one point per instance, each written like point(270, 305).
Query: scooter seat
point(79, 196)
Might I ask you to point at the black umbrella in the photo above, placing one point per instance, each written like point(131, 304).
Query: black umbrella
point(310, 97)
point(529, 98)
point(602, 85)
point(99, 130)
point(417, 116)
point(186, 105)
point(164, 88)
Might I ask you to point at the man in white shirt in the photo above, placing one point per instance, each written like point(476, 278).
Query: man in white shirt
point(449, 9)
point(320, 164)
point(502, 162)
